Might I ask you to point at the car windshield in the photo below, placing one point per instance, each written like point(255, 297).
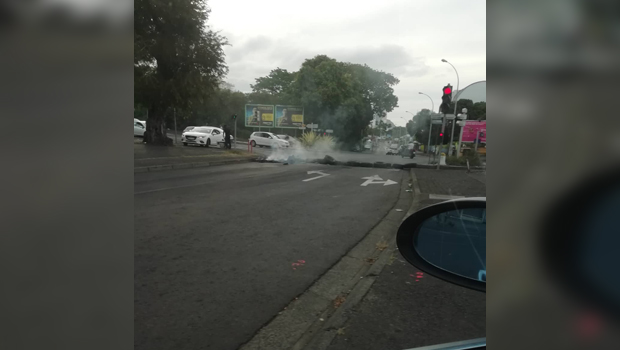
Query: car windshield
point(202, 130)
point(245, 226)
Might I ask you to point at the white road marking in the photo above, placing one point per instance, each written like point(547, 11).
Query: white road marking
point(375, 179)
point(322, 174)
point(443, 196)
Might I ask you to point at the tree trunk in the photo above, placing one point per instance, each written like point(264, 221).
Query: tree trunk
point(155, 133)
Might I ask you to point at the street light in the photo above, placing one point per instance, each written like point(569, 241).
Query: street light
point(455, 103)
point(431, 123)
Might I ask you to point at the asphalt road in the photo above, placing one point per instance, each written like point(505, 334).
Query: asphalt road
point(343, 156)
point(215, 248)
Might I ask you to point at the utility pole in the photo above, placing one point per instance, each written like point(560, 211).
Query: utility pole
point(430, 126)
point(441, 134)
point(174, 112)
point(445, 105)
point(455, 103)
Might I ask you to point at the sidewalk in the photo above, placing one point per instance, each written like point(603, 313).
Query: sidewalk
point(149, 158)
point(399, 312)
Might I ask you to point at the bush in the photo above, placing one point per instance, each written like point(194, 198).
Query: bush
point(474, 160)
point(311, 139)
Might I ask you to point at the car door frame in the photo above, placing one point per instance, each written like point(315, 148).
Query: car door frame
point(141, 127)
point(262, 138)
point(217, 138)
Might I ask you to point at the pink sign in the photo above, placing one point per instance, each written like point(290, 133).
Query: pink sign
point(473, 127)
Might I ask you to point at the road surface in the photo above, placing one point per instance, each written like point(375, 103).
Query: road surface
point(220, 251)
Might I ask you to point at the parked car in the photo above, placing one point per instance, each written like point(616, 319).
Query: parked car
point(203, 136)
point(393, 149)
point(267, 139)
point(139, 127)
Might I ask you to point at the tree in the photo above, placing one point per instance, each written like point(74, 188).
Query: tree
point(475, 111)
point(277, 82)
point(342, 96)
point(177, 59)
point(478, 111)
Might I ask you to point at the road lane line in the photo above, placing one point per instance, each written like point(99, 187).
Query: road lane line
point(171, 188)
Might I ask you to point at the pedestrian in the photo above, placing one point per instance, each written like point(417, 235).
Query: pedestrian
point(227, 143)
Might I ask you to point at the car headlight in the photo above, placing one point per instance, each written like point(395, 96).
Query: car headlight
point(201, 137)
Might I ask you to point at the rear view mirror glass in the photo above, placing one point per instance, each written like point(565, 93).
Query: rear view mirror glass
point(448, 240)
point(455, 241)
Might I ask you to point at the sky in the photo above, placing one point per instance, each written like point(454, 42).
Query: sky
point(407, 38)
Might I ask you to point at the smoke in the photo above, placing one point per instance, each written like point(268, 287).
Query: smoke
point(298, 153)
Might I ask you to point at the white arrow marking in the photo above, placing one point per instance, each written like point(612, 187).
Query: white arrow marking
point(316, 172)
point(375, 179)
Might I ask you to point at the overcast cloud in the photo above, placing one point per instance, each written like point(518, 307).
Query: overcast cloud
point(407, 38)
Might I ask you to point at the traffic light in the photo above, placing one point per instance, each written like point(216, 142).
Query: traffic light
point(446, 99)
point(441, 134)
point(234, 116)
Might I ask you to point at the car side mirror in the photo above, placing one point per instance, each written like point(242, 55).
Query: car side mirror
point(448, 240)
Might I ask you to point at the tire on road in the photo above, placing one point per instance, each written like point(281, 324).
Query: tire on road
point(253, 143)
point(208, 143)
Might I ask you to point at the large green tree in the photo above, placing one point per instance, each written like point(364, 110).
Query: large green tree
point(278, 82)
point(177, 59)
point(343, 96)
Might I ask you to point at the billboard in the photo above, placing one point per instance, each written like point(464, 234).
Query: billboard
point(289, 116)
point(471, 128)
point(259, 115)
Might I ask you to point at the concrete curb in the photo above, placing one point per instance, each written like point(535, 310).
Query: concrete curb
point(189, 165)
point(311, 320)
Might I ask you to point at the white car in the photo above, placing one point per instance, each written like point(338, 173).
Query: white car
point(139, 127)
point(267, 139)
point(203, 136)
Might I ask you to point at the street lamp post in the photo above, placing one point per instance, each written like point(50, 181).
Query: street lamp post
point(412, 118)
point(430, 127)
point(455, 102)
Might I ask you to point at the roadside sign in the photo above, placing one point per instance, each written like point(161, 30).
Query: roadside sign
point(312, 126)
point(473, 128)
point(329, 131)
point(450, 116)
point(257, 115)
point(289, 116)
point(436, 122)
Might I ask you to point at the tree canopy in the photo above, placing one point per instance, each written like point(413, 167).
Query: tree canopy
point(343, 96)
point(178, 60)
